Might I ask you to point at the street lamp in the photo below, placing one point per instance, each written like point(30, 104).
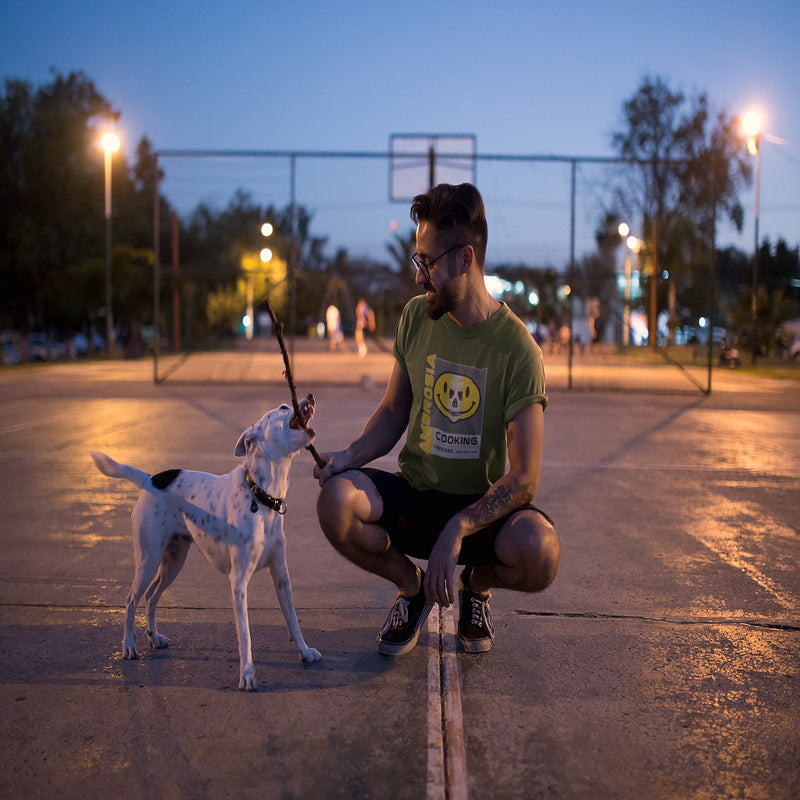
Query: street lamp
point(110, 143)
point(751, 123)
point(632, 244)
point(265, 256)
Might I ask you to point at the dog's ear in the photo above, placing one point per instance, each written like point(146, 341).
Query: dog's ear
point(244, 442)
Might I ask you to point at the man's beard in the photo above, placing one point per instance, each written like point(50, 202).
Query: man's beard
point(440, 301)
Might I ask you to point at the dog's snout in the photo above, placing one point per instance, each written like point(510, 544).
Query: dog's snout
point(307, 404)
point(305, 409)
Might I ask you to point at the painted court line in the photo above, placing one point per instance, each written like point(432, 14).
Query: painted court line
point(447, 761)
point(435, 782)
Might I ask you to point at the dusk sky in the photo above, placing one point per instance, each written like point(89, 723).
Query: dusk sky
point(523, 77)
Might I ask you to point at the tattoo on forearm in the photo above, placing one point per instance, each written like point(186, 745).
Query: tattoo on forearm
point(500, 500)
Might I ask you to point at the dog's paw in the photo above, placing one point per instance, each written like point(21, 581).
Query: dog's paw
point(310, 654)
point(248, 683)
point(129, 651)
point(157, 641)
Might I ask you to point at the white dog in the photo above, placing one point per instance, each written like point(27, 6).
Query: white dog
point(236, 520)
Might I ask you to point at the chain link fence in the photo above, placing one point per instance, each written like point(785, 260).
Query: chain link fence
point(555, 255)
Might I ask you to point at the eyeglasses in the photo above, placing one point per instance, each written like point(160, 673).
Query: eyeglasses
point(425, 267)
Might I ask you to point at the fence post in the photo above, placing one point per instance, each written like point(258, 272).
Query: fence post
point(156, 263)
point(570, 271)
point(292, 249)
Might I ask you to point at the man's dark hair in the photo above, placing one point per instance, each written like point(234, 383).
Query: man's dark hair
point(457, 208)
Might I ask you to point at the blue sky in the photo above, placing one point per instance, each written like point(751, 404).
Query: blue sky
point(522, 77)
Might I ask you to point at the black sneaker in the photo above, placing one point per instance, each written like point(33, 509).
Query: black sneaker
point(475, 628)
point(401, 629)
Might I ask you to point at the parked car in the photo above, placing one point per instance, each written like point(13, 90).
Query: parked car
point(39, 349)
point(80, 344)
point(11, 353)
point(718, 335)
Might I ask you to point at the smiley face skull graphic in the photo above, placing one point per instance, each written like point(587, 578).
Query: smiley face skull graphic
point(456, 396)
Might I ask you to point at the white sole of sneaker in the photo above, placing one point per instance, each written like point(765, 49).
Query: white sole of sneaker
point(399, 648)
point(475, 645)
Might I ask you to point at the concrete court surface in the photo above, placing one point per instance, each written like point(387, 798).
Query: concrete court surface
point(664, 662)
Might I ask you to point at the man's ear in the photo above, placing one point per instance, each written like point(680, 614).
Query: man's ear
point(466, 258)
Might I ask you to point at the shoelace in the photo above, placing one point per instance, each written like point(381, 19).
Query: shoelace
point(481, 616)
point(398, 615)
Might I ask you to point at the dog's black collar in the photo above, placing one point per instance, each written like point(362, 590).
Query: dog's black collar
point(274, 503)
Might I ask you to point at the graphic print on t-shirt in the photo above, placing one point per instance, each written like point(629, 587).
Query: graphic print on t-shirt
point(452, 409)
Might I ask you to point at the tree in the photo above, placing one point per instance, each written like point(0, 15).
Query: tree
point(652, 117)
point(259, 283)
point(401, 248)
point(714, 169)
point(545, 282)
point(779, 268)
point(218, 249)
point(52, 242)
point(51, 214)
point(690, 171)
point(734, 275)
point(773, 310)
point(778, 298)
point(133, 199)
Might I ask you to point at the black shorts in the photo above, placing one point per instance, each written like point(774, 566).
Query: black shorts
point(414, 519)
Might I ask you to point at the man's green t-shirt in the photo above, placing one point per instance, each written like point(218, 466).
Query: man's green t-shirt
point(468, 384)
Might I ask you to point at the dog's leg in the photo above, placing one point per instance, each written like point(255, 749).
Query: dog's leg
point(171, 564)
point(247, 680)
point(146, 570)
point(283, 588)
point(148, 551)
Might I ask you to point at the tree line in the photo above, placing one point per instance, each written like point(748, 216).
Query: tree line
point(690, 166)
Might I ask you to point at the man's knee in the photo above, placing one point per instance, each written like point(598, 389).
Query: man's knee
point(345, 504)
point(529, 544)
point(547, 549)
point(334, 509)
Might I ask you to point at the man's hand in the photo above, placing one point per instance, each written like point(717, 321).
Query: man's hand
point(440, 578)
point(332, 464)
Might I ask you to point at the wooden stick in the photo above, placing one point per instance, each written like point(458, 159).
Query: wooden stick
point(278, 325)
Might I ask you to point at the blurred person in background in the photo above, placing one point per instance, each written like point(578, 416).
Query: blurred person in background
point(333, 327)
point(365, 321)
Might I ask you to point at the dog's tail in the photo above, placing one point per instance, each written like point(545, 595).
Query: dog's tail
point(113, 469)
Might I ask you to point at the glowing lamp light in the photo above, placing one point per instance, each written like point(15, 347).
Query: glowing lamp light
point(624, 229)
point(110, 142)
point(266, 229)
point(751, 123)
point(265, 255)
